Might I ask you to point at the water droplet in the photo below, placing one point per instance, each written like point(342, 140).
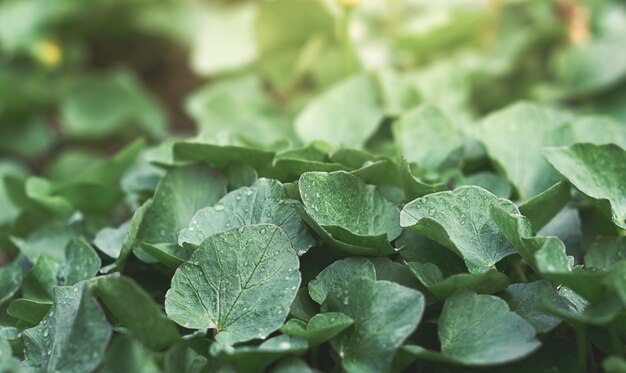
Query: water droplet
point(240, 230)
point(293, 288)
point(268, 214)
point(462, 222)
point(45, 333)
point(346, 301)
point(317, 194)
point(263, 231)
point(191, 229)
point(248, 192)
point(219, 207)
point(238, 197)
point(283, 345)
point(432, 212)
point(49, 352)
point(75, 290)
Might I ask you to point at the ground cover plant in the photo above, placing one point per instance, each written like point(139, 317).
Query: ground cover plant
point(312, 186)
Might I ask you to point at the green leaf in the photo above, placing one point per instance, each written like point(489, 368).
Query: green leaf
point(460, 221)
point(28, 310)
point(303, 306)
point(338, 275)
point(10, 281)
point(442, 287)
point(181, 193)
point(597, 171)
point(514, 137)
point(292, 163)
point(110, 240)
point(546, 205)
point(97, 107)
point(480, 330)
point(59, 342)
point(495, 184)
point(605, 252)
point(50, 240)
point(81, 263)
point(265, 202)
point(350, 210)
point(541, 253)
point(128, 355)
point(320, 328)
point(256, 358)
point(131, 236)
point(527, 301)
point(333, 116)
point(141, 316)
point(384, 315)
point(425, 136)
point(211, 53)
point(220, 106)
point(240, 283)
point(292, 365)
point(216, 153)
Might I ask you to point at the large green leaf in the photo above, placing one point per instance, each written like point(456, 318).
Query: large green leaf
point(513, 138)
point(598, 171)
point(350, 210)
point(334, 116)
point(265, 202)
point(181, 193)
point(384, 315)
point(425, 136)
point(136, 310)
point(128, 355)
point(240, 283)
point(72, 337)
point(480, 330)
point(460, 220)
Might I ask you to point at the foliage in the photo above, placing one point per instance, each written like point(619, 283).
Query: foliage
point(321, 185)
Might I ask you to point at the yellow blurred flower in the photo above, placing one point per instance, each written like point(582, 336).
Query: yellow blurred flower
point(350, 3)
point(48, 53)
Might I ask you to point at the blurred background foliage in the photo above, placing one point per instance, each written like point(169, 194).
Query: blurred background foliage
point(80, 79)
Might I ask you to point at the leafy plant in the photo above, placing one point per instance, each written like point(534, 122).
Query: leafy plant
point(407, 187)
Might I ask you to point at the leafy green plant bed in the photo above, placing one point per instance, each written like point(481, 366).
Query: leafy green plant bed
point(464, 213)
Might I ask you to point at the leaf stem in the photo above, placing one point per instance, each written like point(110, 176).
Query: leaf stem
point(615, 340)
point(581, 342)
point(346, 42)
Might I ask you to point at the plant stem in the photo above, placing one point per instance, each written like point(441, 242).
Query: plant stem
point(615, 341)
point(581, 342)
point(346, 42)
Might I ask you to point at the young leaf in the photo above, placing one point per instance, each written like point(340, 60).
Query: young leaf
point(240, 283)
point(253, 359)
point(384, 315)
point(264, 202)
point(598, 171)
point(338, 275)
point(480, 330)
point(425, 136)
point(59, 342)
point(605, 252)
point(141, 316)
point(320, 328)
point(546, 205)
point(350, 210)
point(10, 281)
point(527, 301)
point(333, 116)
point(460, 221)
point(181, 193)
point(513, 138)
